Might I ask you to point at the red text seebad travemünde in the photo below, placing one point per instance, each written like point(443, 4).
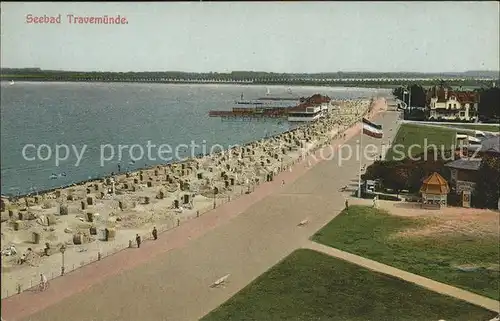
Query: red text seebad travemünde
point(73, 19)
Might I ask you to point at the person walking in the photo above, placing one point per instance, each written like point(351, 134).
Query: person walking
point(43, 282)
point(346, 204)
point(155, 233)
point(138, 240)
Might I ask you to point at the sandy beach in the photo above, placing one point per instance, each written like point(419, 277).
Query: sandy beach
point(79, 217)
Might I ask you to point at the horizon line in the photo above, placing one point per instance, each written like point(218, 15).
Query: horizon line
point(262, 71)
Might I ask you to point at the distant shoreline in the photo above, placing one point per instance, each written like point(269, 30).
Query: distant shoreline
point(353, 83)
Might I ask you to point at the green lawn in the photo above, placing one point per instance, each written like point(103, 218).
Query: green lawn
point(308, 285)
point(488, 127)
point(420, 137)
point(365, 231)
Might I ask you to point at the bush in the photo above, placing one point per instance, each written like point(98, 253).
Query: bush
point(487, 189)
point(406, 174)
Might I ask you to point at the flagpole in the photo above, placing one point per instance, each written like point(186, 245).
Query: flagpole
point(359, 173)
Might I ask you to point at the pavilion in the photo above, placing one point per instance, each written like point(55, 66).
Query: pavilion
point(434, 191)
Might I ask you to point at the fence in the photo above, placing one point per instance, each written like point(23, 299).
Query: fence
point(34, 285)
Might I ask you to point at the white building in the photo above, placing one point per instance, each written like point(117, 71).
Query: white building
point(453, 105)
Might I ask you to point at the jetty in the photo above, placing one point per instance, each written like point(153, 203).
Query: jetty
point(280, 98)
point(306, 109)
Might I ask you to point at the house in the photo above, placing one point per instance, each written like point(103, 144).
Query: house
point(464, 170)
point(463, 174)
point(445, 104)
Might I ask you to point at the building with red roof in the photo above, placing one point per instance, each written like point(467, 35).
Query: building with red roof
point(447, 104)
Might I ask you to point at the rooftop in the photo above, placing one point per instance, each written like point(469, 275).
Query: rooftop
point(314, 101)
point(471, 164)
point(490, 145)
point(461, 96)
point(435, 184)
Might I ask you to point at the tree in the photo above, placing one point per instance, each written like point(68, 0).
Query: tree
point(416, 114)
point(398, 92)
point(486, 192)
point(377, 170)
point(391, 173)
point(406, 174)
point(489, 107)
point(418, 95)
point(398, 179)
point(443, 84)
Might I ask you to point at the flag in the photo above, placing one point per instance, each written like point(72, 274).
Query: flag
point(372, 129)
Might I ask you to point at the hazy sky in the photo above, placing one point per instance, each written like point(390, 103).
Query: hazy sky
point(277, 36)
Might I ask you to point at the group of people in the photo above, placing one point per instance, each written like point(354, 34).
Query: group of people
point(24, 257)
point(43, 279)
point(138, 239)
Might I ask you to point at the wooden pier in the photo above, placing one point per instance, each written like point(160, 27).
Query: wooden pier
point(250, 113)
point(259, 112)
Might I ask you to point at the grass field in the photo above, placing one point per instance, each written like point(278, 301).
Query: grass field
point(370, 233)
point(308, 285)
point(488, 127)
point(420, 137)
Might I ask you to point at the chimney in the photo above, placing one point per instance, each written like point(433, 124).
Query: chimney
point(446, 94)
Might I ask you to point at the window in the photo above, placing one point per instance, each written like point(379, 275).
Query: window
point(462, 114)
point(449, 105)
point(454, 105)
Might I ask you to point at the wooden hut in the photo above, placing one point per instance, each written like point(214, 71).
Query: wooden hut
point(434, 191)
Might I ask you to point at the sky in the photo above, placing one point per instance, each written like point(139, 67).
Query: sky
point(288, 37)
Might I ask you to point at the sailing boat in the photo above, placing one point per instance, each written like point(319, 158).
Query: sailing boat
point(268, 91)
point(11, 82)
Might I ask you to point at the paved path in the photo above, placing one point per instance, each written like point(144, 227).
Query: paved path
point(170, 279)
point(435, 286)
